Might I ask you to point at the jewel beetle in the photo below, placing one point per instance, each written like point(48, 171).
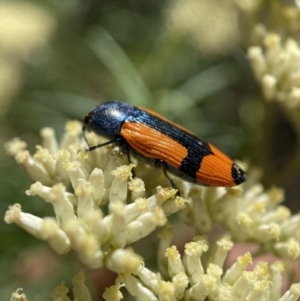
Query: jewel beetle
point(150, 136)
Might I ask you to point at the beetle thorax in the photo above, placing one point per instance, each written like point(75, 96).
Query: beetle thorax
point(107, 119)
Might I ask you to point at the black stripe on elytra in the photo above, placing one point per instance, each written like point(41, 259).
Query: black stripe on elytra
point(191, 164)
point(197, 148)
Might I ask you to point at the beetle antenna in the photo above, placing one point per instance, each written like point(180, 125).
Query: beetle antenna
point(90, 148)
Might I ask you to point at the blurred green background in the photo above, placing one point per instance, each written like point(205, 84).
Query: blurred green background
point(59, 59)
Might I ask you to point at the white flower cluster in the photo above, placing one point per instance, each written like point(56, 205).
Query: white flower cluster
point(276, 66)
point(78, 185)
point(194, 276)
point(252, 215)
point(79, 222)
point(80, 291)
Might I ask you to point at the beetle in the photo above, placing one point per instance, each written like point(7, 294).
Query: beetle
point(162, 143)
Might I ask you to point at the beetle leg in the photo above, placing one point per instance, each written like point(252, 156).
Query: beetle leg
point(163, 164)
point(126, 149)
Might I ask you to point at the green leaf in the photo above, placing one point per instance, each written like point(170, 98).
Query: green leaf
point(118, 63)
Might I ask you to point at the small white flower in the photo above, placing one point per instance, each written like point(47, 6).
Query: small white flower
point(260, 290)
point(180, 282)
point(242, 287)
point(113, 293)
point(44, 229)
point(80, 291)
point(193, 252)
point(118, 225)
point(223, 246)
point(255, 55)
point(14, 146)
point(123, 261)
point(149, 278)
point(269, 83)
point(293, 294)
point(165, 236)
point(276, 277)
point(198, 215)
point(49, 140)
point(17, 296)
point(60, 292)
point(144, 224)
point(118, 191)
point(201, 289)
point(174, 261)
point(166, 291)
point(235, 271)
point(276, 66)
point(137, 289)
point(288, 249)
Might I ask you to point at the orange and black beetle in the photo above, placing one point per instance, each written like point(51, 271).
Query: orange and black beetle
point(163, 143)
